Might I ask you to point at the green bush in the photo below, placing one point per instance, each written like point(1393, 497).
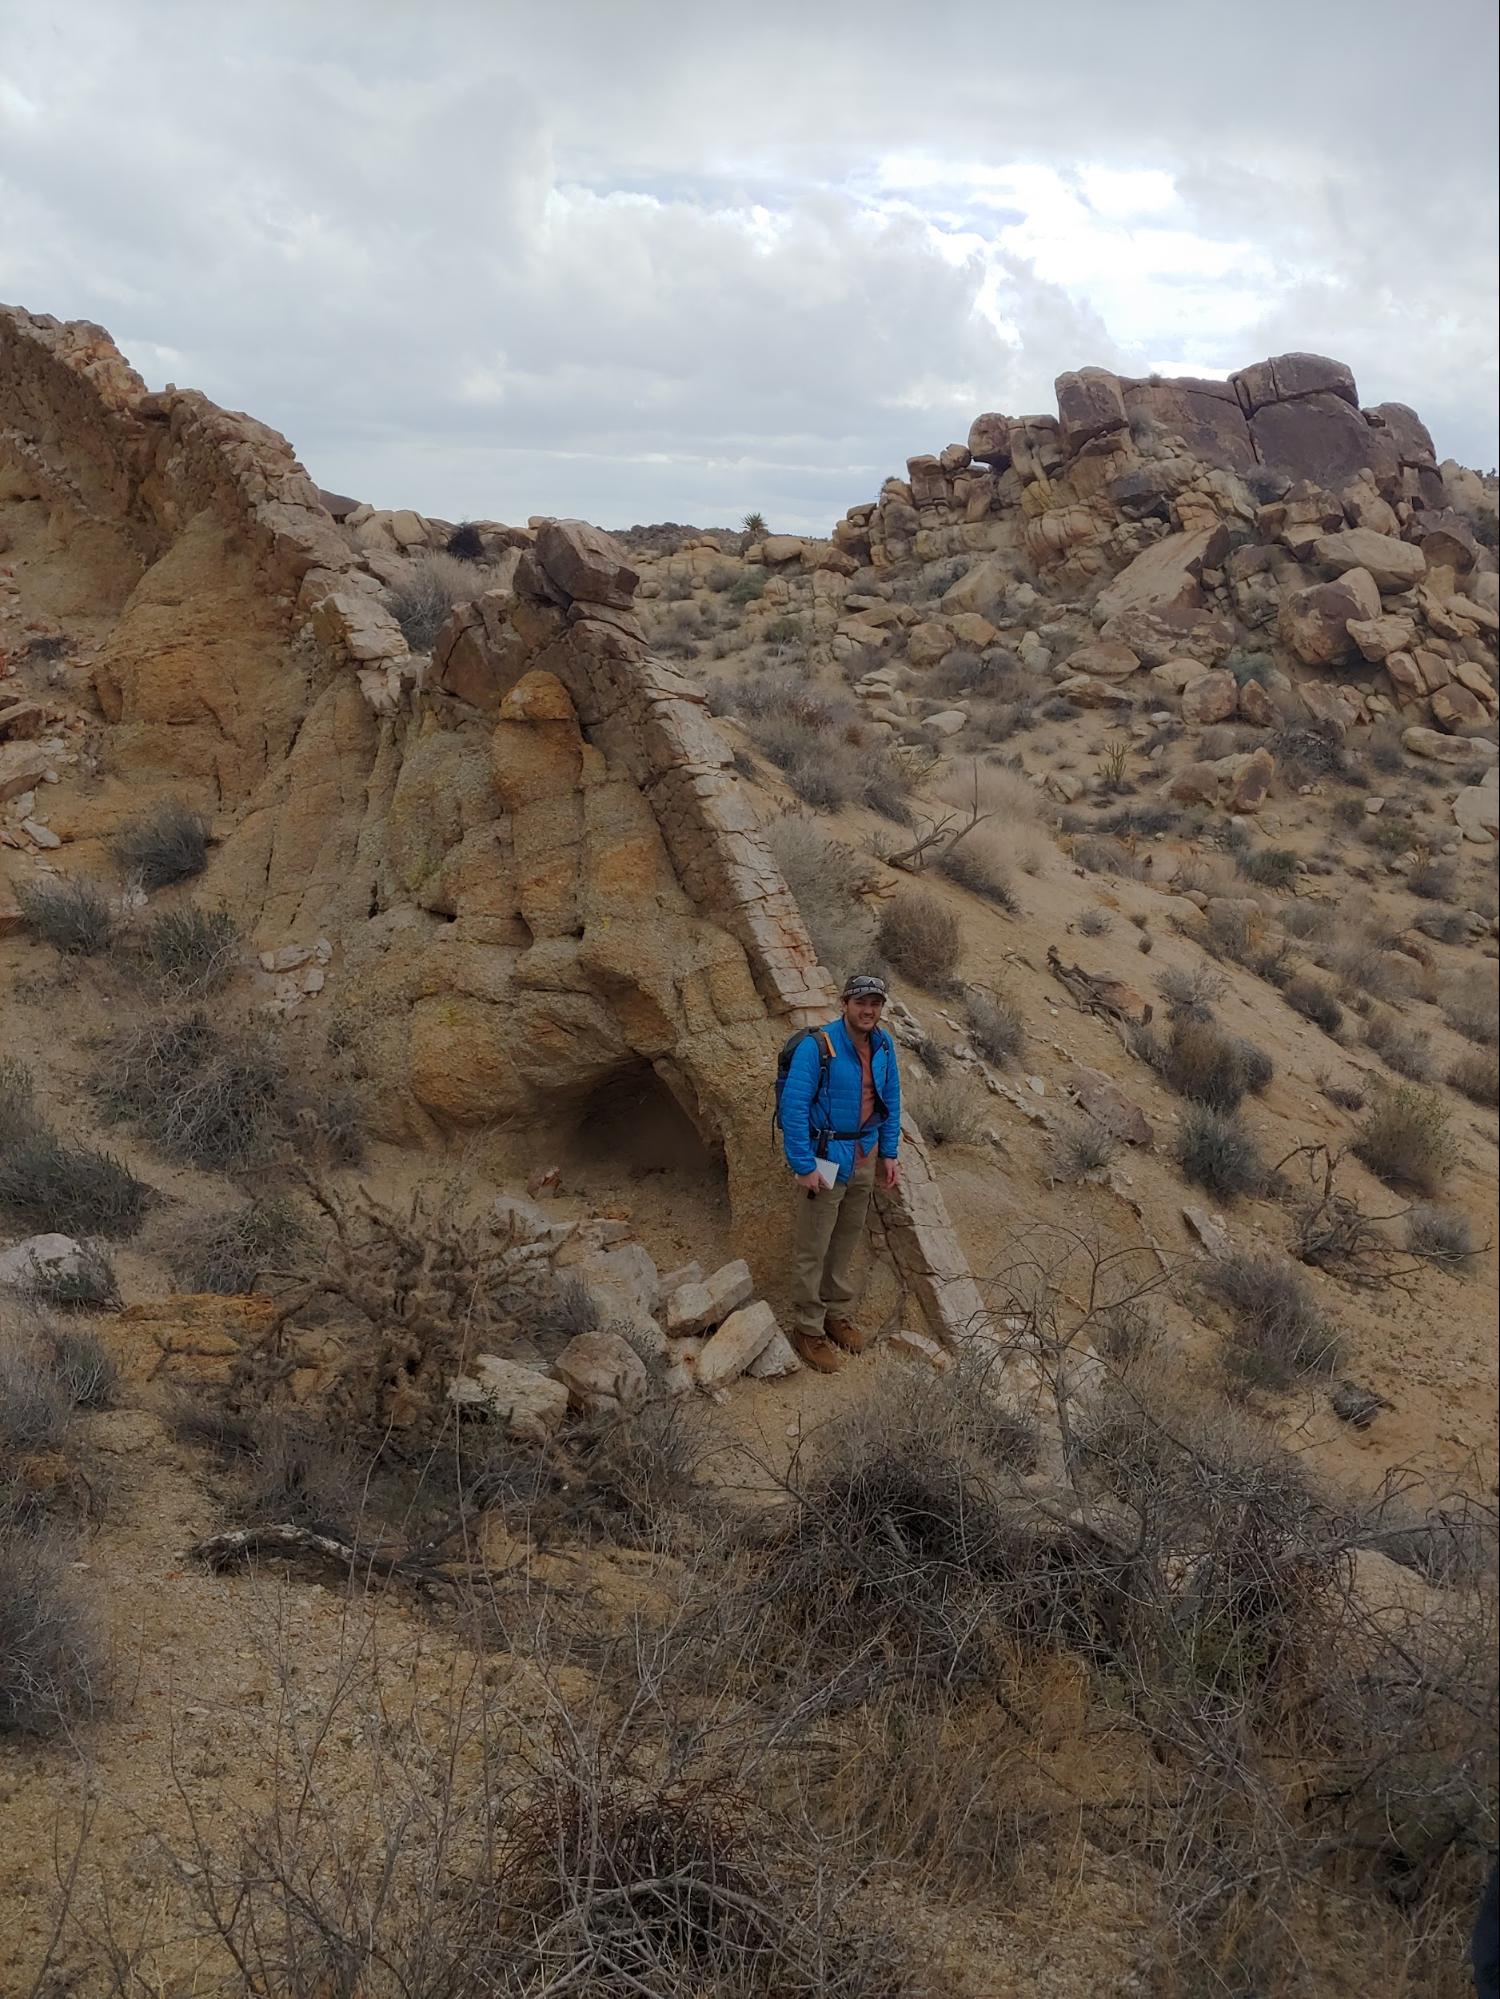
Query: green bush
point(1405, 1140)
point(1270, 867)
point(749, 588)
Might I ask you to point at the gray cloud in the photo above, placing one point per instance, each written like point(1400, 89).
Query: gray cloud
point(680, 261)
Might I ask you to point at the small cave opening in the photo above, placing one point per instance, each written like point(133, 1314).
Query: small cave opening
point(629, 1140)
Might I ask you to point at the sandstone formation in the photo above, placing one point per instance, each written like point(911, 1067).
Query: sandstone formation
point(537, 866)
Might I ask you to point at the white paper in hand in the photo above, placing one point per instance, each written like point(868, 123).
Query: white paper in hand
point(828, 1171)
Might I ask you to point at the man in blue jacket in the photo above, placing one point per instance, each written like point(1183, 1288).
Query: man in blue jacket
point(840, 1103)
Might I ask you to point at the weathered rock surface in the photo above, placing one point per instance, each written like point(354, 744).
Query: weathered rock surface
point(601, 1373)
point(529, 1403)
point(742, 1338)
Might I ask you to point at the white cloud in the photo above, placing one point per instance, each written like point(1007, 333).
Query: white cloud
point(669, 263)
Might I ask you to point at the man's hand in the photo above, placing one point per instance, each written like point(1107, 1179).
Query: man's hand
point(813, 1181)
point(890, 1173)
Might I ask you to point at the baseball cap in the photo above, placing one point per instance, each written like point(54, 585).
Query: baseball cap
point(864, 985)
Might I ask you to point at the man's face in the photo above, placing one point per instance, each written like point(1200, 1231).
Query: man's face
point(863, 1014)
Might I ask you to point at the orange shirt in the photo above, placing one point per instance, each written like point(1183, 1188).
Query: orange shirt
point(864, 1050)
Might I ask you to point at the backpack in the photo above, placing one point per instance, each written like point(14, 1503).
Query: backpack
point(789, 1048)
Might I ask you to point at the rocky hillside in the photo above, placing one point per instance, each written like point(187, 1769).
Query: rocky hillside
point(398, 921)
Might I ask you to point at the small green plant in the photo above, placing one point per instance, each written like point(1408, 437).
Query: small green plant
point(1114, 764)
point(73, 916)
point(466, 543)
point(753, 526)
point(748, 588)
point(785, 631)
point(1270, 867)
point(168, 845)
point(1405, 1140)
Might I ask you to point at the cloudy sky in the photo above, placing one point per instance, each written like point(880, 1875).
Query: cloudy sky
point(675, 259)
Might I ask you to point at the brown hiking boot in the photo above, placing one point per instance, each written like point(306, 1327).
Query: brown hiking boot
point(844, 1333)
point(818, 1353)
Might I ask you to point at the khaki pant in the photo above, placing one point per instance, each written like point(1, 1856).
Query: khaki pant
point(825, 1243)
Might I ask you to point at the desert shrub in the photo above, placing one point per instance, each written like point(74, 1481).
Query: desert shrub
point(1269, 867)
point(1444, 1237)
point(1216, 1152)
point(1402, 1048)
point(1081, 1146)
point(73, 916)
point(784, 630)
point(1279, 1332)
point(920, 938)
point(1388, 833)
point(975, 864)
point(34, 1404)
point(949, 1109)
point(932, 1055)
point(1204, 1064)
point(1096, 922)
point(296, 1474)
point(424, 600)
point(86, 1279)
point(229, 1253)
point(1433, 879)
point(1304, 754)
point(826, 878)
point(190, 950)
point(1313, 1000)
point(1256, 1066)
point(1470, 1008)
point(80, 1364)
point(1107, 856)
point(1248, 666)
point(48, 1184)
point(1230, 932)
point(1346, 1095)
point(167, 845)
point(201, 1092)
point(996, 1027)
point(1477, 1074)
point(49, 1649)
point(1404, 1139)
point(749, 588)
point(1307, 919)
point(466, 543)
point(1192, 994)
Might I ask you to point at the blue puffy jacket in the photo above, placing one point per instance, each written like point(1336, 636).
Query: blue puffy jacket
point(837, 1100)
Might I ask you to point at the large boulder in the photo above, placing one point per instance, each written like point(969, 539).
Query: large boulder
point(1286, 377)
point(1321, 438)
point(1212, 697)
point(1378, 638)
point(1432, 743)
point(529, 1403)
point(1476, 809)
point(1458, 711)
point(602, 1373)
point(1165, 575)
point(42, 1259)
point(1206, 415)
point(583, 561)
point(989, 439)
point(1314, 623)
point(1089, 405)
point(1106, 659)
point(1395, 565)
point(1157, 633)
